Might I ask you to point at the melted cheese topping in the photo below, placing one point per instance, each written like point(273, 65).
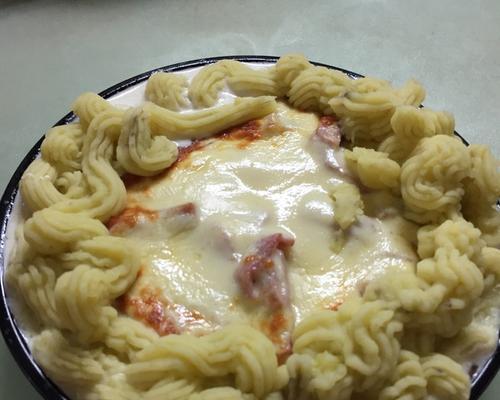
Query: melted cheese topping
point(244, 190)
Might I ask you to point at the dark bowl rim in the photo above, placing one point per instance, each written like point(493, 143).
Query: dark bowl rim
point(13, 337)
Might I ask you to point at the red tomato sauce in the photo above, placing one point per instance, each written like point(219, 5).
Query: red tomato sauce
point(149, 308)
point(334, 305)
point(327, 120)
point(246, 133)
point(129, 218)
point(277, 329)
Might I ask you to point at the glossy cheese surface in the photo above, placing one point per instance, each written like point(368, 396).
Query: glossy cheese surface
point(269, 178)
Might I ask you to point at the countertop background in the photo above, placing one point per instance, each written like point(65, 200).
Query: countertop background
point(50, 51)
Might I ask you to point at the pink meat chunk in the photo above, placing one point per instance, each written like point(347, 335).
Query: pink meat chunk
point(179, 218)
point(328, 132)
point(262, 274)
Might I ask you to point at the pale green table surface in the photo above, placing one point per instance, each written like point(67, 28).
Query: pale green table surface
point(51, 51)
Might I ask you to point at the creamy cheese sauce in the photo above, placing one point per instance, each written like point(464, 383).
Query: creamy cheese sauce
point(242, 191)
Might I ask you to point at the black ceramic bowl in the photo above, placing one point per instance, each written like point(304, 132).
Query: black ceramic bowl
point(12, 333)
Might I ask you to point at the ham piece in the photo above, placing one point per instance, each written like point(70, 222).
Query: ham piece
point(173, 220)
point(262, 275)
point(328, 132)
